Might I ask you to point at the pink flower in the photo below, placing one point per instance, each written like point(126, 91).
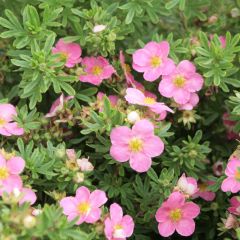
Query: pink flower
point(176, 214)
point(85, 205)
point(153, 60)
point(204, 193)
point(58, 105)
point(117, 226)
point(193, 101)
point(138, 145)
point(187, 185)
point(96, 70)
point(9, 173)
point(135, 96)
point(181, 82)
point(70, 52)
point(7, 125)
point(112, 98)
point(84, 164)
point(235, 206)
point(232, 182)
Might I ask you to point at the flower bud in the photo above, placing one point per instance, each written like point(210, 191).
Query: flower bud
point(36, 212)
point(133, 117)
point(29, 221)
point(79, 177)
point(99, 28)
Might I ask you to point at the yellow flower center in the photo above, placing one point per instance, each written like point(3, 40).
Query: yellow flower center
point(149, 100)
point(3, 173)
point(179, 81)
point(2, 122)
point(7, 155)
point(83, 208)
point(237, 175)
point(64, 56)
point(135, 145)
point(155, 61)
point(96, 70)
point(176, 214)
point(118, 227)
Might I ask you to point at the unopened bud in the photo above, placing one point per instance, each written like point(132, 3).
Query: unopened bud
point(29, 221)
point(133, 117)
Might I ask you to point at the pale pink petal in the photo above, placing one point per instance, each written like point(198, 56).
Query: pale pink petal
point(8, 185)
point(8, 111)
point(185, 227)
point(186, 66)
point(153, 146)
point(181, 96)
point(194, 83)
point(152, 74)
point(116, 213)
point(168, 67)
point(4, 132)
point(93, 216)
point(16, 165)
point(140, 162)
point(176, 199)
point(166, 229)
point(134, 96)
point(190, 210)
point(83, 194)
point(98, 198)
point(228, 184)
point(162, 214)
point(231, 167)
point(140, 68)
point(69, 205)
point(143, 128)
point(14, 129)
point(141, 57)
point(120, 153)
point(108, 229)
point(166, 87)
point(120, 135)
point(3, 162)
point(128, 225)
point(28, 196)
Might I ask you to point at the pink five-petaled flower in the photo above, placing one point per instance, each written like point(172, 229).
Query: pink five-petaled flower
point(58, 105)
point(7, 125)
point(235, 206)
point(135, 96)
point(187, 185)
point(232, 182)
point(85, 205)
point(138, 145)
point(117, 226)
point(153, 60)
point(96, 69)
point(9, 173)
point(176, 214)
point(70, 52)
point(203, 191)
point(183, 81)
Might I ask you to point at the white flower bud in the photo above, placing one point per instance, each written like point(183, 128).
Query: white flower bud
point(99, 28)
point(29, 221)
point(133, 117)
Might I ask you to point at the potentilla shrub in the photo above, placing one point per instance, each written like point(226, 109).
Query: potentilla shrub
point(119, 119)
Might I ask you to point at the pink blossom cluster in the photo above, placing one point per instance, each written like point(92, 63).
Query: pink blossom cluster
point(8, 126)
point(179, 82)
point(95, 69)
point(85, 206)
point(10, 182)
